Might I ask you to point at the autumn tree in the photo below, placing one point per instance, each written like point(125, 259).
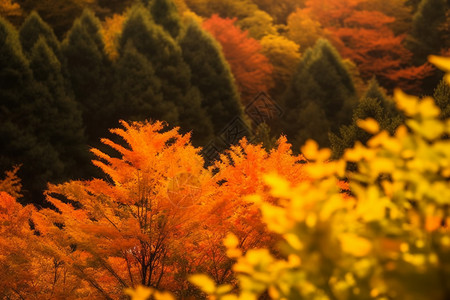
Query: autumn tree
point(284, 55)
point(280, 10)
point(374, 104)
point(89, 72)
point(11, 10)
point(111, 30)
point(27, 271)
point(397, 9)
point(320, 97)
point(166, 58)
point(304, 29)
point(225, 9)
point(258, 25)
point(238, 175)
point(212, 75)
point(11, 184)
point(251, 69)
point(365, 37)
point(124, 230)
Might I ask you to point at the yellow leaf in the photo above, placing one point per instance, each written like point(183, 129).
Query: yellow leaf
point(369, 125)
point(140, 293)
point(406, 103)
point(280, 187)
point(355, 245)
point(428, 108)
point(293, 240)
point(163, 296)
point(442, 63)
point(231, 241)
point(310, 149)
point(205, 283)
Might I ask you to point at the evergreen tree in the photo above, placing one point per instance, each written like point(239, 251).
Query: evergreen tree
point(138, 91)
point(442, 97)
point(212, 75)
point(164, 13)
point(60, 118)
point(20, 113)
point(425, 37)
point(374, 104)
point(89, 73)
point(34, 27)
point(166, 58)
point(321, 78)
point(60, 15)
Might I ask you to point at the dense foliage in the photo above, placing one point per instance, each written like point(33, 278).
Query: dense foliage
point(200, 116)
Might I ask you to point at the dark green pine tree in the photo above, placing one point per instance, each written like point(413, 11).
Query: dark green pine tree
point(374, 104)
point(211, 74)
point(90, 73)
point(19, 103)
point(442, 97)
point(138, 94)
point(34, 27)
point(165, 13)
point(425, 37)
point(165, 55)
point(320, 97)
point(60, 116)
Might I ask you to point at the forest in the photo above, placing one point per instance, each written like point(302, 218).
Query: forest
point(235, 149)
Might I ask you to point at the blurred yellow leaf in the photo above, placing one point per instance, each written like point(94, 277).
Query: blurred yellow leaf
point(205, 283)
point(310, 149)
point(369, 125)
point(355, 245)
point(140, 293)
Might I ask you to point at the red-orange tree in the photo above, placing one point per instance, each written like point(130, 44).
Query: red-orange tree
point(27, 271)
point(238, 174)
point(126, 229)
point(365, 37)
point(251, 69)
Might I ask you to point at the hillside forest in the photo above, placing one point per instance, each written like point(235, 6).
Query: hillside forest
point(235, 149)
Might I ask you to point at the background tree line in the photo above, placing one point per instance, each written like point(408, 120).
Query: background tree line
point(70, 70)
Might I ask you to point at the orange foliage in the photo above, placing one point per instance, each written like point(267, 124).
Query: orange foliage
point(239, 174)
point(111, 30)
point(28, 270)
point(251, 69)
point(128, 227)
point(365, 37)
point(156, 217)
point(9, 8)
point(11, 184)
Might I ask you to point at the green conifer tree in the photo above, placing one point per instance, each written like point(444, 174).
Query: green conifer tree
point(425, 37)
point(164, 13)
point(165, 55)
point(321, 78)
point(60, 121)
point(374, 104)
point(20, 104)
point(442, 97)
point(34, 27)
point(138, 91)
point(90, 73)
point(212, 75)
